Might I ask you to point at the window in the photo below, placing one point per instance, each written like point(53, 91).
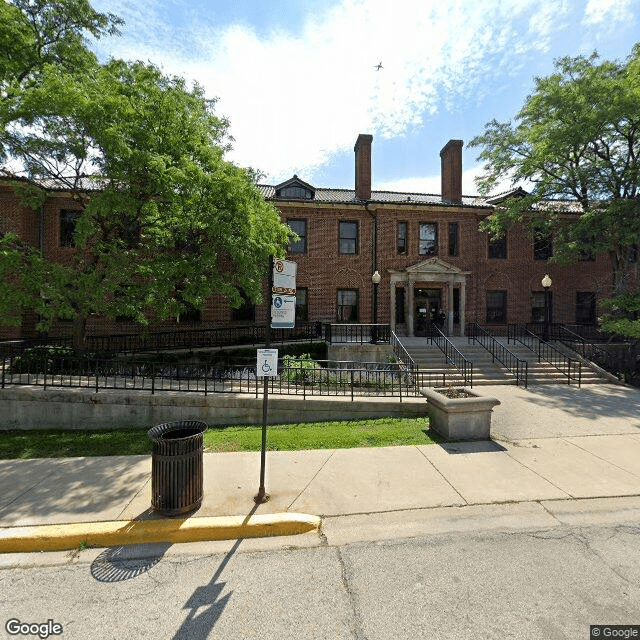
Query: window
point(498, 248)
point(349, 237)
point(428, 245)
point(68, 219)
point(295, 191)
point(537, 306)
point(246, 312)
point(348, 305)
point(542, 246)
point(453, 238)
point(586, 252)
point(402, 238)
point(300, 228)
point(585, 307)
point(302, 305)
point(496, 307)
point(191, 315)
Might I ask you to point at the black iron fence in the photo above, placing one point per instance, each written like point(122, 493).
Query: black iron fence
point(570, 367)
point(303, 377)
point(452, 354)
point(15, 347)
point(201, 338)
point(519, 368)
point(357, 333)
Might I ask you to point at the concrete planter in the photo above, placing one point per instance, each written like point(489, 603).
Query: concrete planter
point(467, 418)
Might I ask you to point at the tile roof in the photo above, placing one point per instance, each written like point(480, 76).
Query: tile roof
point(84, 183)
point(348, 196)
point(336, 196)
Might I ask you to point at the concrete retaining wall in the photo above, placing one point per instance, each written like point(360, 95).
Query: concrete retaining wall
point(36, 408)
point(359, 352)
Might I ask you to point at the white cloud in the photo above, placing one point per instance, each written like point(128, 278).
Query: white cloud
point(432, 184)
point(606, 12)
point(295, 100)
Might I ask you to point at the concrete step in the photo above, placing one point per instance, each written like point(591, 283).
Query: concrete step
point(486, 370)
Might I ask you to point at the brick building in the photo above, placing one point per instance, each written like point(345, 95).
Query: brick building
point(428, 250)
point(429, 253)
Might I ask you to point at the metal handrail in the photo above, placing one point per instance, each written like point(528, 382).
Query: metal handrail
point(567, 336)
point(404, 358)
point(357, 333)
point(561, 361)
point(517, 366)
point(452, 354)
point(196, 338)
point(400, 352)
point(320, 377)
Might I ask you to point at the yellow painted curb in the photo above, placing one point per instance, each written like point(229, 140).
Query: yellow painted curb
point(60, 537)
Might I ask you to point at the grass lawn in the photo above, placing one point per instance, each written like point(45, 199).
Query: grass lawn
point(378, 432)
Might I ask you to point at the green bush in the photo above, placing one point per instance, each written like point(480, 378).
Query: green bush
point(53, 359)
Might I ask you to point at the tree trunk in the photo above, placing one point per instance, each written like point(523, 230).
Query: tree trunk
point(79, 332)
point(621, 271)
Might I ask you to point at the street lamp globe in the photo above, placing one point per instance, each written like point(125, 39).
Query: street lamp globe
point(376, 277)
point(546, 281)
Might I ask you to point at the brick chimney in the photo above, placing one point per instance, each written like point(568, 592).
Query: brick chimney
point(451, 171)
point(363, 166)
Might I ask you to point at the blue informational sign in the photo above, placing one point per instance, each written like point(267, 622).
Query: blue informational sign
point(283, 311)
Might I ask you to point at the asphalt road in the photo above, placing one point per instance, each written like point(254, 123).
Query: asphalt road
point(526, 583)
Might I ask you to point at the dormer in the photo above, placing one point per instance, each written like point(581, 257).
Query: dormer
point(295, 189)
point(518, 192)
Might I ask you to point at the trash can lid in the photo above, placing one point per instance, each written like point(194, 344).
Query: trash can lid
point(180, 430)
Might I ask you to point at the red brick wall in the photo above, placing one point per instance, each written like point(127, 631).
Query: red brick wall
point(323, 270)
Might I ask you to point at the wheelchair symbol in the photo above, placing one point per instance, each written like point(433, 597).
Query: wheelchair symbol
point(277, 302)
point(266, 367)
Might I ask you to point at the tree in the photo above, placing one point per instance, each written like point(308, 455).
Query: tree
point(164, 221)
point(577, 140)
point(40, 38)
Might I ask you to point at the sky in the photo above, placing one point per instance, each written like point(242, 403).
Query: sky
point(297, 79)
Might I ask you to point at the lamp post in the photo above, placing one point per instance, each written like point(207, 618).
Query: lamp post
point(375, 278)
point(546, 283)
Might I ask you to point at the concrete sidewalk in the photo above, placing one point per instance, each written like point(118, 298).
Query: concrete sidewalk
point(549, 443)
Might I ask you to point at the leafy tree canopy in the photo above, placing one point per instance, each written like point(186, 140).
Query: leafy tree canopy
point(576, 138)
point(164, 222)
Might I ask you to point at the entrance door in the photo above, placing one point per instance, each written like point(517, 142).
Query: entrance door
point(428, 303)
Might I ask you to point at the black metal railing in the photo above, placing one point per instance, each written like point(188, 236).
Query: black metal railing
point(357, 333)
point(15, 347)
point(518, 367)
point(570, 367)
point(403, 359)
point(201, 338)
point(452, 354)
point(295, 377)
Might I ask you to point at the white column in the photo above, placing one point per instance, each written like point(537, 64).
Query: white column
point(450, 308)
point(392, 296)
point(463, 306)
point(410, 305)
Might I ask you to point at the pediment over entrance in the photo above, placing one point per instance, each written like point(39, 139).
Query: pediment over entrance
point(433, 265)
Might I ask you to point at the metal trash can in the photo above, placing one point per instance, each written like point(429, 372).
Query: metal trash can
point(177, 466)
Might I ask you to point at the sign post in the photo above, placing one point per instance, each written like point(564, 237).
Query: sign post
point(282, 315)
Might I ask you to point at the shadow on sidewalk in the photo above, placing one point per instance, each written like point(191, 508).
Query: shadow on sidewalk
point(206, 600)
point(478, 446)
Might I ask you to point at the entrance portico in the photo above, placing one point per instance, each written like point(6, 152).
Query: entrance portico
point(428, 273)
